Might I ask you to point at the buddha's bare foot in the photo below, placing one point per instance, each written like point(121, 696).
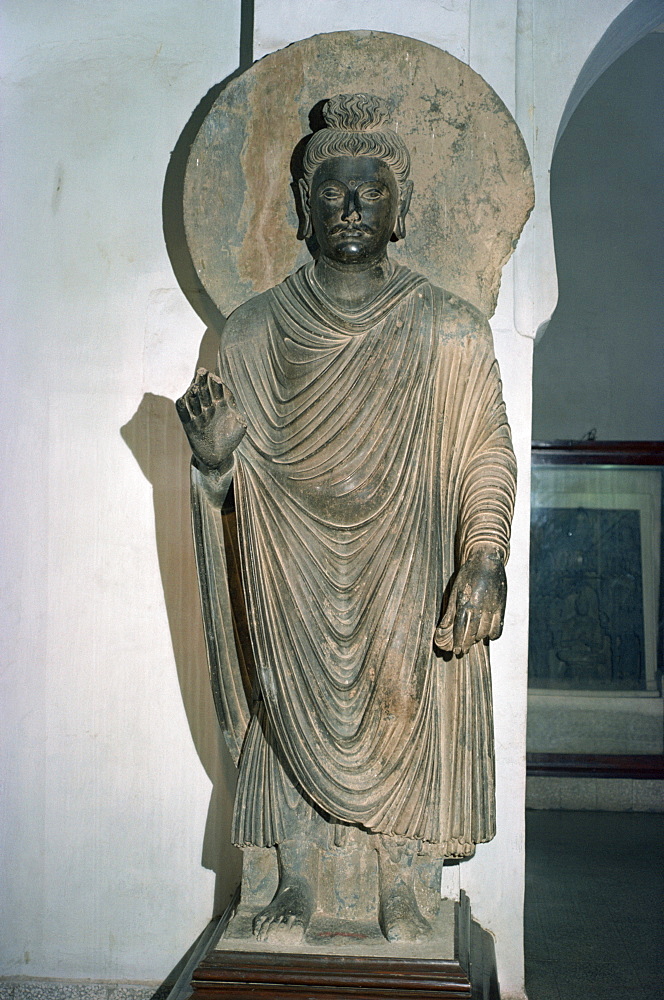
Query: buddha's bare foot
point(400, 917)
point(287, 917)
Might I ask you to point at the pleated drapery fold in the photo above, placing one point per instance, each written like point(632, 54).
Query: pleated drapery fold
point(377, 457)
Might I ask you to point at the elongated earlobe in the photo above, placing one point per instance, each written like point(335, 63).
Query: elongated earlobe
point(404, 204)
point(306, 210)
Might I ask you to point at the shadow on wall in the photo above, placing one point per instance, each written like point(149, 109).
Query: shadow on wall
point(476, 952)
point(483, 972)
point(156, 439)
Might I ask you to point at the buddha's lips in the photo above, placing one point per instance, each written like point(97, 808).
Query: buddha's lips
point(350, 230)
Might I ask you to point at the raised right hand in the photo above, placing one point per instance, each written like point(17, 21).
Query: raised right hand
point(211, 422)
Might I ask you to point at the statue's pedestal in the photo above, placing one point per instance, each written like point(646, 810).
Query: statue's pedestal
point(252, 976)
point(347, 966)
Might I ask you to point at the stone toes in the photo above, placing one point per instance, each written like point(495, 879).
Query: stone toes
point(408, 930)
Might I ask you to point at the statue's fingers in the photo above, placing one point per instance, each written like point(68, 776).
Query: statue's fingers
point(183, 409)
point(471, 632)
point(444, 634)
point(216, 387)
point(462, 624)
point(471, 629)
point(204, 393)
point(444, 637)
point(484, 628)
point(447, 621)
point(193, 401)
point(266, 923)
point(496, 625)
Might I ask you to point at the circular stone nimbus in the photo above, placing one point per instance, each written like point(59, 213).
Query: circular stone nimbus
point(473, 184)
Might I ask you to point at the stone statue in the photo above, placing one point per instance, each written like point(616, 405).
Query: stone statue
point(358, 411)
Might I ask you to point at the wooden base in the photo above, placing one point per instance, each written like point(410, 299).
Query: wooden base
point(247, 976)
point(259, 975)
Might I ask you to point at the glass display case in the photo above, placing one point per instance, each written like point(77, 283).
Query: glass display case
point(595, 642)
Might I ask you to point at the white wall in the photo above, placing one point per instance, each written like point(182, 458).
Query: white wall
point(105, 789)
point(110, 755)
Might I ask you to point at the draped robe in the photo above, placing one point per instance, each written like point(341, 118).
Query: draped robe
point(377, 456)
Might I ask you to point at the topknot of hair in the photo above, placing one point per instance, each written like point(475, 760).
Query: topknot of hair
point(357, 113)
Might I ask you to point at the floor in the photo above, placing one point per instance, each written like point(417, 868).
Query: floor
point(594, 906)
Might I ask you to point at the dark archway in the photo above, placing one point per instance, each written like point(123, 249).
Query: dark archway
point(598, 365)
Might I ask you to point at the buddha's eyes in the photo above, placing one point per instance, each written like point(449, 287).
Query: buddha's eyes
point(367, 192)
point(371, 193)
point(331, 193)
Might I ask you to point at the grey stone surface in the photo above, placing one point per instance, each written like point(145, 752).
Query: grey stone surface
point(336, 937)
point(24, 988)
point(602, 794)
point(542, 793)
point(54, 989)
point(578, 793)
point(132, 992)
point(594, 723)
point(648, 796)
point(593, 905)
point(615, 794)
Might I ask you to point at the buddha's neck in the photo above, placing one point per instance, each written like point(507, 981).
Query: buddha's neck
point(350, 288)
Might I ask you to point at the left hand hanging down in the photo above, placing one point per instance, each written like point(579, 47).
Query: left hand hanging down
point(476, 607)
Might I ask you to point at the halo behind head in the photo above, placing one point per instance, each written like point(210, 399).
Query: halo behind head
point(357, 125)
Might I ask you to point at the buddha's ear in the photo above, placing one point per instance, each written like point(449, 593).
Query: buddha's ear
point(306, 208)
point(405, 194)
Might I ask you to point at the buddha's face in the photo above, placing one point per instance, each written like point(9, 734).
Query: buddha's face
point(354, 201)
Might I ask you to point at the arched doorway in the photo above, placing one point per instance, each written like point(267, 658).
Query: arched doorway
point(594, 367)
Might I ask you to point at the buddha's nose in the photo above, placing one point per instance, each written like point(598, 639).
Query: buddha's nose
point(351, 207)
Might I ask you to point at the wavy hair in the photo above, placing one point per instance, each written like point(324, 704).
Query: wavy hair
point(357, 125)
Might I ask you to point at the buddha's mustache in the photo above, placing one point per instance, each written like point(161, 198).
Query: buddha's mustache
point(349, 227)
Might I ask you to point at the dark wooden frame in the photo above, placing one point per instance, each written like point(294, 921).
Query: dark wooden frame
point(598, 453)
point(223, 975)
point(596, 765)
point(257, 976)
point(587, 765)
